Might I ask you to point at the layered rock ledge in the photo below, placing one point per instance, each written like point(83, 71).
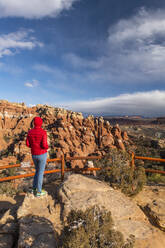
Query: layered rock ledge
point(38, 222)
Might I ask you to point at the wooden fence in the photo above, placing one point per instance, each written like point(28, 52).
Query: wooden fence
point(63, 160)
point(149, 159)
point(62, 170)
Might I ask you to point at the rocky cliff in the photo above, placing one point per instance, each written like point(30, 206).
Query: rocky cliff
point(28, 221)
point(69, 133)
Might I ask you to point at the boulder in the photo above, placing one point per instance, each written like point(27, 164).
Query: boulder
point(39, 222)
point(151, 200)
point(79, 193)
point(36, 232)
point(42, 207)
point(89, 164)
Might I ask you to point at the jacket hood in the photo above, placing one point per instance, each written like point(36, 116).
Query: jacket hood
point(37, 122)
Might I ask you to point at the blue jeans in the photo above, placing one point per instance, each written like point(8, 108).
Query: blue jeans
point(40, 163)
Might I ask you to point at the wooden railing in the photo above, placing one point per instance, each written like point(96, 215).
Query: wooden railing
point(150, 159)
point(62, 169)
point(63, 160)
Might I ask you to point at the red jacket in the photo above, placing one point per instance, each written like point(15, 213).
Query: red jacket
point(37, 138)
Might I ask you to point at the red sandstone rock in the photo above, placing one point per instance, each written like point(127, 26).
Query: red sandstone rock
point(120, 144)
point(124, 136)
point(107, 140)
point(68, 132)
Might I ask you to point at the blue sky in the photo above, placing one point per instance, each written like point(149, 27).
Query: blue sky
point(103, 57)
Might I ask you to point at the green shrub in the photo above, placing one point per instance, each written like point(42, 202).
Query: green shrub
point(11, 171)
point(156, 178)
point(117, 172)
point(92, 229)
point(8, 172)
point(8, 189)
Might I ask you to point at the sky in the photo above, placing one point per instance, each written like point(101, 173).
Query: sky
point(101, 57)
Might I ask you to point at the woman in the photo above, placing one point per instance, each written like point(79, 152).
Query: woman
point(37, 141)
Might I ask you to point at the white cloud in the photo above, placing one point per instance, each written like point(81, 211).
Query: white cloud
point(150, 103)
point(32, 84)
point(140, 29)
point(137, 45)
point(13, 42)
point(134, 51)
point(34, 8)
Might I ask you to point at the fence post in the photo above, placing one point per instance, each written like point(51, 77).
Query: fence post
point(62, 167)
point(133, 161)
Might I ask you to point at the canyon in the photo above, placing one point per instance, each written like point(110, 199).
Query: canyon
point(26, 220)
point(68, 132)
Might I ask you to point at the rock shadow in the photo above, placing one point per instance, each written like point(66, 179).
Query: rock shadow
point(35, 231)
point(9, 226)
point(153, 219)
point(12, 208)
point(53, 189)
point(4, 207)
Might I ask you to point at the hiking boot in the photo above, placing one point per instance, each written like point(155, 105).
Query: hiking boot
point(38, 194)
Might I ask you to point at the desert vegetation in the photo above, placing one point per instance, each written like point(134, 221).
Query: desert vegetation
point(148, 145)
point(92, 228)
point(117, 172)
point(8, 187)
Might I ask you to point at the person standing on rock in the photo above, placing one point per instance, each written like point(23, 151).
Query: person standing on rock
point(37, 141)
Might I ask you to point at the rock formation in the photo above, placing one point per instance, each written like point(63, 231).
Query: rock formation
point(151, 200)
point(38, 222)
point(80, 193)
point(69, 133)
